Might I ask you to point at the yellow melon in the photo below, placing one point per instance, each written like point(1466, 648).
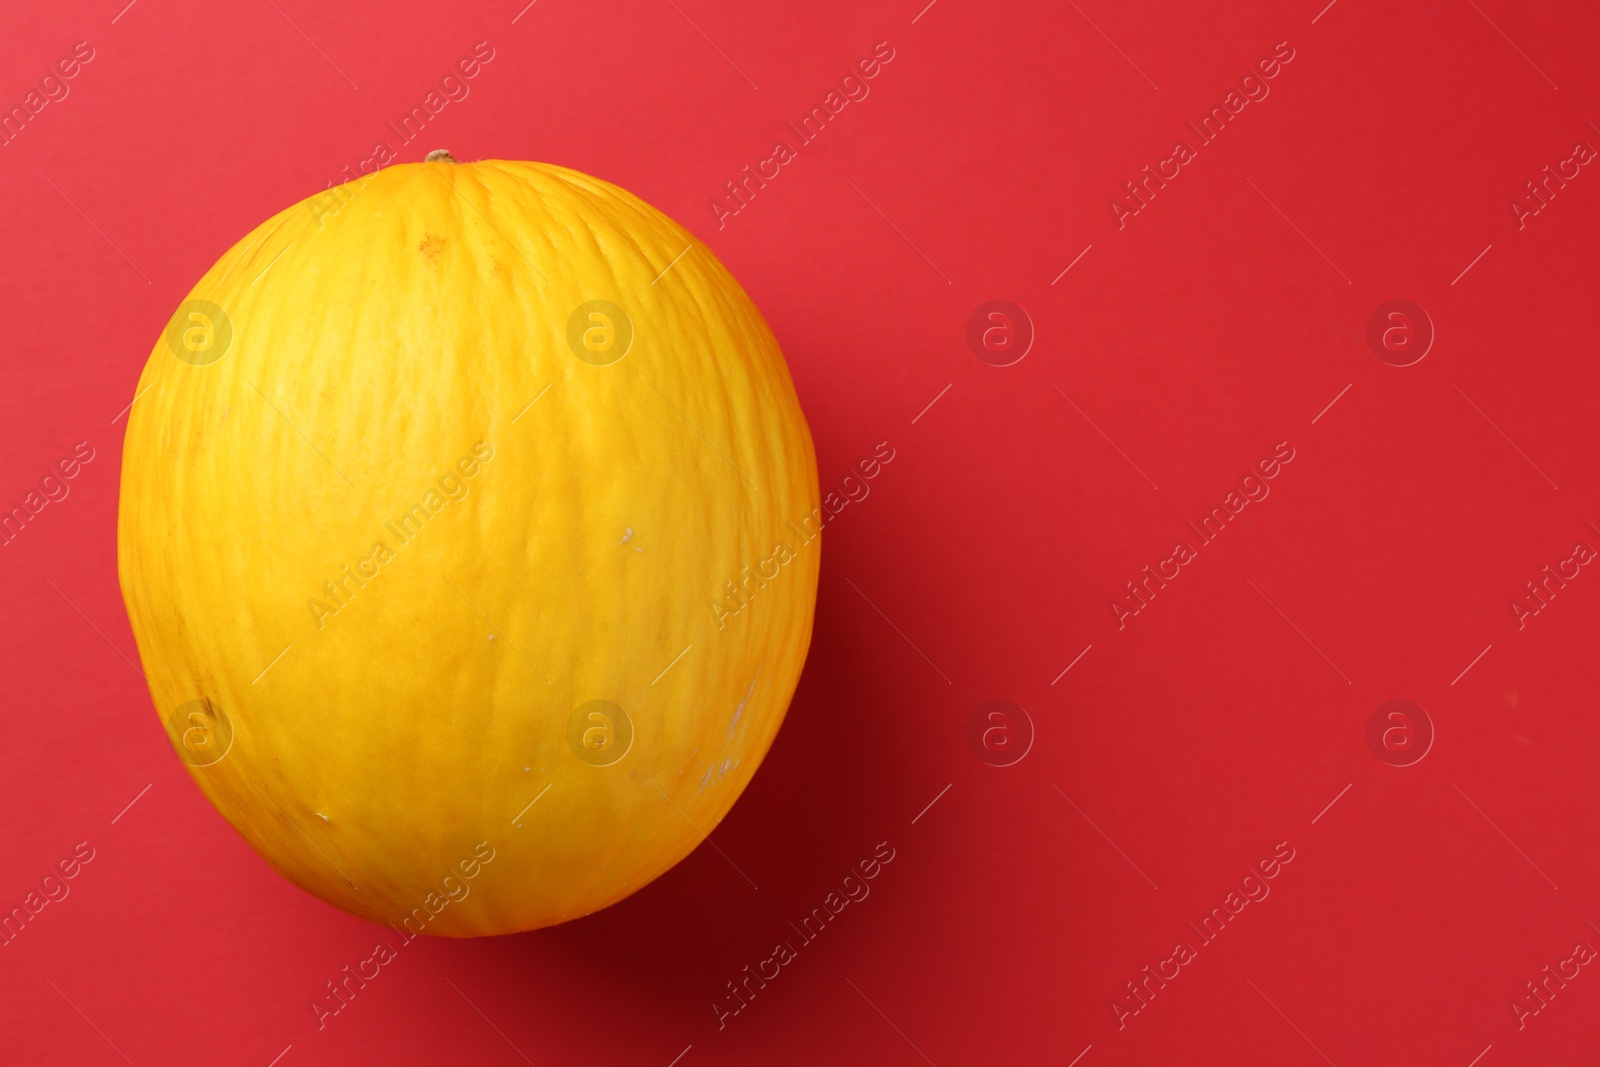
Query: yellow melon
point(469, 535)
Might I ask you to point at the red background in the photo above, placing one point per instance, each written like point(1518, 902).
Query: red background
point(1176, 752)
